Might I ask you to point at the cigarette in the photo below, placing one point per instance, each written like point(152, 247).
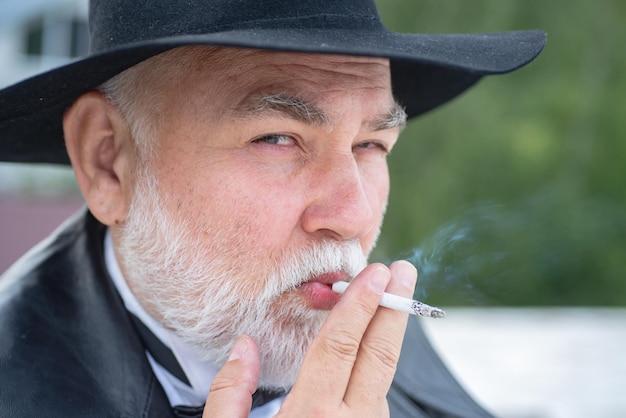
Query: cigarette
point(398, 303)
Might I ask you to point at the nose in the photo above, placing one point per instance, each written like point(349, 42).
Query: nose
point(341, 204)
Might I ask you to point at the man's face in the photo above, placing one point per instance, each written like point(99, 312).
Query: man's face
point(261, 163)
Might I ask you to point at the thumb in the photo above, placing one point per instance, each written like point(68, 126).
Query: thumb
point(233, 386)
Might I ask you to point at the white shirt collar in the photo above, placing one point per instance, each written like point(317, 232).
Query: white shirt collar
point(200, 373)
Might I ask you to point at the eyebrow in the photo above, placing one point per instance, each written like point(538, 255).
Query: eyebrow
point(298, 109)
point(395, 118)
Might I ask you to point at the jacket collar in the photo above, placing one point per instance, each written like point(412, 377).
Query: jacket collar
point(67, 341)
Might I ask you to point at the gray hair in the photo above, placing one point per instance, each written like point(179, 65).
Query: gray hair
point(138, 93)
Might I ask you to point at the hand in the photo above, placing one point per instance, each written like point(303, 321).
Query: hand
point(232, 389)
point(349, 366)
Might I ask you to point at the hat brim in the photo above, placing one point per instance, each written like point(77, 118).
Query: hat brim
point(427, 70)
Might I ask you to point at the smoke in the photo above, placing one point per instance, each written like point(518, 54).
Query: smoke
point(541, 251)
point(451, 262)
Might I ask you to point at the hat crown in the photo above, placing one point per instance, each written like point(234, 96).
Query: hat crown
point(115, 23)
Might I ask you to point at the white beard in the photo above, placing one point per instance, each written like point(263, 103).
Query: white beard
point(211, 291)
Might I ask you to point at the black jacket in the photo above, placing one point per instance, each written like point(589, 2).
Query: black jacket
point(68, 349)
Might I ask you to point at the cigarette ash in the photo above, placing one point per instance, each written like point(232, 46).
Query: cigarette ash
point(421, 309)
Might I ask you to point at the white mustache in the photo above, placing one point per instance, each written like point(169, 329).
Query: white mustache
point(321, 258)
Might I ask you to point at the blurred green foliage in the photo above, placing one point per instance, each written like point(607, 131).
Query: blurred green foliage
point(514, 193)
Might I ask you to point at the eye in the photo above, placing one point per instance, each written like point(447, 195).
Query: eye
point(276, 139)
point(372, 145)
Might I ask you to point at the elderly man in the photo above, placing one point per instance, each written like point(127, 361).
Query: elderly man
point(233, 162)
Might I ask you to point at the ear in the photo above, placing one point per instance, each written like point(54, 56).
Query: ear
point(99, 144)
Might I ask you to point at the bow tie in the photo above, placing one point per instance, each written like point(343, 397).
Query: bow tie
point(164, 356)
point(259, 398)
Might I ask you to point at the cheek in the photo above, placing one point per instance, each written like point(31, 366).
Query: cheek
point(274, 213)
point(376, 180)
point(259, 217)
point(383, 186)
point(378, 195)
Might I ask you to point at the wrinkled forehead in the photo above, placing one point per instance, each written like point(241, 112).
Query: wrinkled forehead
point(242, 73)
point(249, 69)
point(326, 68)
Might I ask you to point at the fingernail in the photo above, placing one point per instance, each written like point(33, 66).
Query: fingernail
point(379, 280)
point(406, 273)
point(239, 349)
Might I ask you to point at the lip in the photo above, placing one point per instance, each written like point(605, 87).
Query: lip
point(318, 293)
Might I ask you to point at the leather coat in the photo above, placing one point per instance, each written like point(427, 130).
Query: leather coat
point(68, 348)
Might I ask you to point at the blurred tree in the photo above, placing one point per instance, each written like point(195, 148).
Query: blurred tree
point(523, 176)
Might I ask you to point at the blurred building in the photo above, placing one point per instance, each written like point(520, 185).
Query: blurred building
point(36, 35)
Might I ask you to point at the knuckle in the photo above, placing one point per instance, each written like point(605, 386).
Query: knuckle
point(385, 353)
point(365, 308)
point(230, 379)
point(221, 384)
point(342, 345)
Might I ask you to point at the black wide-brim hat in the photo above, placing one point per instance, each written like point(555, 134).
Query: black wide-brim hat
point(427, 70)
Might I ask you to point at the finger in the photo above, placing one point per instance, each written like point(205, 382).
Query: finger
point(233, 386)
point(381, 344)
point(326, 369)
